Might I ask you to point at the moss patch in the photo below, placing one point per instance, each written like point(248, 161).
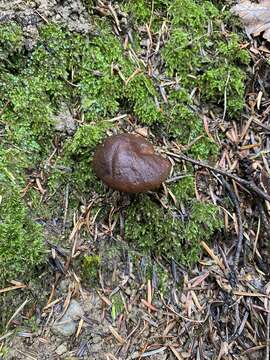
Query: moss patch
point(90, 267)
point(21, 239)
point(162, 232)
point(89, 74)
point(195, 54)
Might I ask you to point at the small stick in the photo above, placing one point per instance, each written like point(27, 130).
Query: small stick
point(268, 333)
point(264, 218)
point(239, 220)
point(20, 308)
point(66, 207)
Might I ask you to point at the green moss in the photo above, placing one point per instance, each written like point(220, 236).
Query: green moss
point(189, 22)
point(11, 40)
point(153, 229)
point(89, 5)
point(100, 86)
point(86, 139)
point(22, 247)
point(34, 92)
point(117, 306)
point(21, 239)
point(141, 91)
point(141, 11)
point(203, 60)
point(223, 82)
point(192, 15)
point(4, 350)
point(186, 126)
point(31, 85)
point(185, 58)
point(90, 267)
point(231, 50)
point(74, 166)
point(88, 74)
point(184, 189)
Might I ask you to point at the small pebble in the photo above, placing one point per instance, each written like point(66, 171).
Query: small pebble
point(96, 339)
point(61, 349)
point(67, 325)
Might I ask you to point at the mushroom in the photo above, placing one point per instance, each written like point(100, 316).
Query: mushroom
point(128, 163)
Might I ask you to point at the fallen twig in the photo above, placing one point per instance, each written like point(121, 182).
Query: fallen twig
point(248, 184)
point(239, 220)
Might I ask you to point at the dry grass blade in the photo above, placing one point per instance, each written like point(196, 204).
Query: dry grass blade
point(148, 305)
point(51, 304)
point(151, 353)
point(79, 328)
point(27, 355)
point(111, 356)
point(20, 308)
point(5, 336)
point(116, 335)
point(15, 287)
point(212, 255)
point(239, 223)
point(176, 354)
point(244, 293)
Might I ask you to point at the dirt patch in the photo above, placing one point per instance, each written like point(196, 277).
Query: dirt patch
point(92, 343)
point(32, 14)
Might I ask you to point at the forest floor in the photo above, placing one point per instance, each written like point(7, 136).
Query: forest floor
point(107, 278)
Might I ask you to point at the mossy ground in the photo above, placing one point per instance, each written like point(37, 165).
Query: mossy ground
point(88, 74)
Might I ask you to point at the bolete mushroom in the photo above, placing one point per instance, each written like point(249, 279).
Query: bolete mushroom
point(128, 163)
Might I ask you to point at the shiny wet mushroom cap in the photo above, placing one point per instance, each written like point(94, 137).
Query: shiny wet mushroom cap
point(128, 163)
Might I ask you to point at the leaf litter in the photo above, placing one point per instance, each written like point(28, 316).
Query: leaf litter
point(255, 16)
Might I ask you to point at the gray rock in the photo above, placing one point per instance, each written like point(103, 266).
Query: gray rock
point(61, 349)
point(64, 121)
point(69, 13)
point(63, 286)
point(31, 37)
point(67, 325)
point(96, 339)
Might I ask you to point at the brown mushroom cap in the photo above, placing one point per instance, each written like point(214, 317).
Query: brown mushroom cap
point(128, 163)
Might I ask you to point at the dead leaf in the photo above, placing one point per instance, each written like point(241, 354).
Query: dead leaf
point(256, 17)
